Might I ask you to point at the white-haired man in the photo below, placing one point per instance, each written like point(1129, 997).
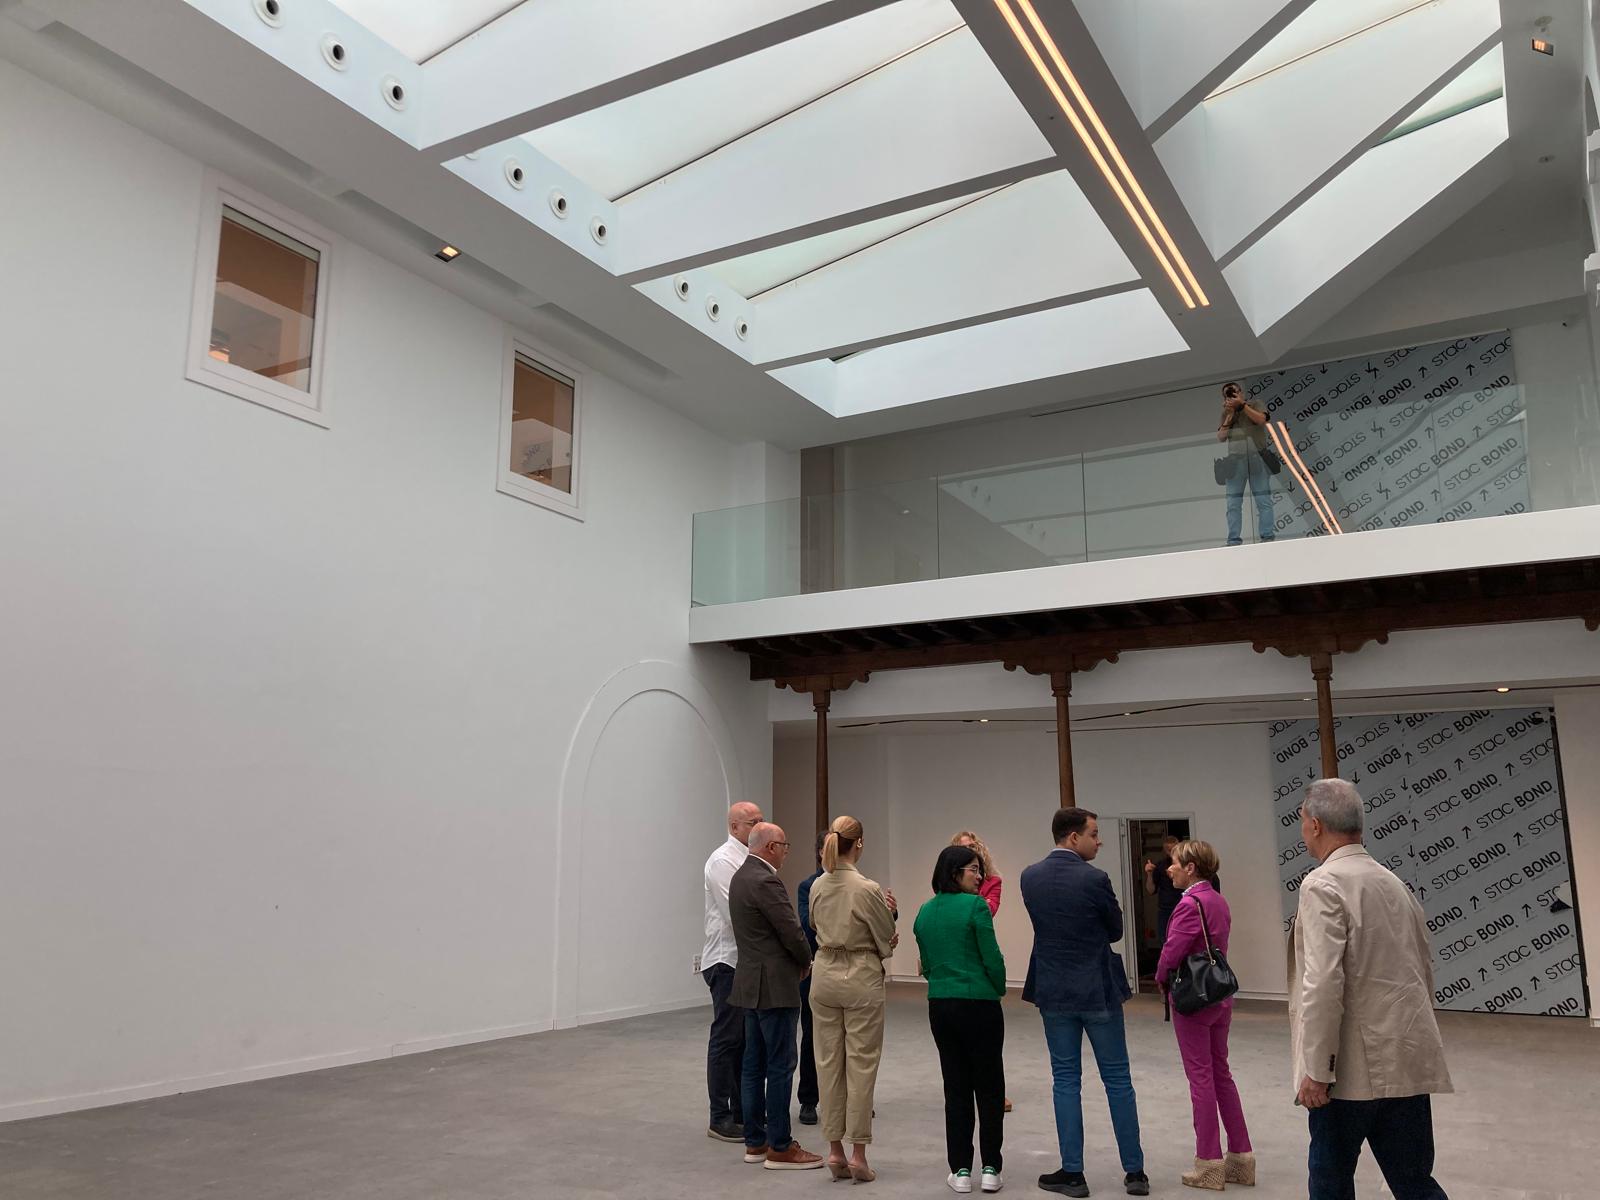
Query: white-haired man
point(725, 1048)
point(1367, 1052)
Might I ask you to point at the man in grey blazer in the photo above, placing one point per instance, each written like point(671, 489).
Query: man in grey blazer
point(774, 957)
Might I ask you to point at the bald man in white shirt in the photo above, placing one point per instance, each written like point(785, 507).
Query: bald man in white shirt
point(725, 1050)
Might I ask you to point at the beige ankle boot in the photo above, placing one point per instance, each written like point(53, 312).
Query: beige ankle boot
point(1239, 1168)
point(1207, 1174)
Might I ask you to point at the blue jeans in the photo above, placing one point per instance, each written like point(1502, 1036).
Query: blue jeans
point(1063, 1033)
point(769, 1058)
point(1260, 489)
point(1400, 1133)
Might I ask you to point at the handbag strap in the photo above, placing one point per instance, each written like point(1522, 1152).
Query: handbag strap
point(1204, 928)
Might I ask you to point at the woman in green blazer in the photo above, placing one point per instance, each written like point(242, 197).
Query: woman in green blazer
point(966, 979)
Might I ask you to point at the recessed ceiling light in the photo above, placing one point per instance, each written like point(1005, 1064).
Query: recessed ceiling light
point(1502, 689)
point(983, 720)
point(447, 253)
point(1541, 46)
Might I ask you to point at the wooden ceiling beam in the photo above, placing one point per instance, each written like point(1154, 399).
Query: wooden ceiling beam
point(1264, 630)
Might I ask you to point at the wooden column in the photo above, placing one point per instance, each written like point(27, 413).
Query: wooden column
point(1061, 687)
point(820, 699)
point(1322, 672)
point(821, 688)
point(1320, 646)
point(1060, 668)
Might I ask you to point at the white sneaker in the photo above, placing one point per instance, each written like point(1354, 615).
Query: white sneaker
point(991, 1180)
point(960, 1181)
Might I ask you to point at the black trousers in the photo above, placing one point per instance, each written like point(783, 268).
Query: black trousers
point(725, 1049)
point(1400, 1132)
point(808, 1093)
point(971, 1036)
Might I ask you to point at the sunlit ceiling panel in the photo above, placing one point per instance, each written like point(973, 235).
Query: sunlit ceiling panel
point(752, 274)
point(1325, 23)
point(1483, 81)
point(1059, 341)
point(420, 29)
point(625, 145)
point(1032, 243)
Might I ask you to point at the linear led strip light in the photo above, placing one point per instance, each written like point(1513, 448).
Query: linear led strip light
point(1165, 250)
point(1297, 467)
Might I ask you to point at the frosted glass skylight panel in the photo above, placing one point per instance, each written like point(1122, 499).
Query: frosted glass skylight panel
point(623, 146)
point(752, 274)
point(1483, 81)
point(1323, 24)
point(419, 29)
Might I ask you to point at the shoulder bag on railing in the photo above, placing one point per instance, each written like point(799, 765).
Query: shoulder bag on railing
point(1203, 979)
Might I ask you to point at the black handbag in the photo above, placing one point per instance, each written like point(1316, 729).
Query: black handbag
point(1203, 979)
point(1270, 458)
point(1223, 468)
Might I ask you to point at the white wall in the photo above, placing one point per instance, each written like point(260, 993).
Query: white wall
point(287, 715)
point(1002, 782)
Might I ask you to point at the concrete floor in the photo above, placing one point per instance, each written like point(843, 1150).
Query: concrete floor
point(618, 1110)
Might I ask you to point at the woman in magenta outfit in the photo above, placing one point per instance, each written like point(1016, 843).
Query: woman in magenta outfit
point(1203, 1036)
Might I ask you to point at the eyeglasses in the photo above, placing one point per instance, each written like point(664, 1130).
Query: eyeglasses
point(785, 845)
point(978, 867)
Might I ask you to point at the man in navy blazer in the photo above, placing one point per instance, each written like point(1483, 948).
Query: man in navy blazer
point(1079, 985)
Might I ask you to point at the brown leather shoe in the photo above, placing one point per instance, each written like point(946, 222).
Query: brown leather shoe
point(755, 1154)
point(795, 1158)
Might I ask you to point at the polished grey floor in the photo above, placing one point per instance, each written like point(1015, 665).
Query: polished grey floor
point(618, 1110)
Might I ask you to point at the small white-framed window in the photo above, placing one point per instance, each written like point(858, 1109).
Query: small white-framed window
point(541, 412)
point(260, 318)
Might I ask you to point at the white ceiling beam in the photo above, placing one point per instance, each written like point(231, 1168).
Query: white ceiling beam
point(1247, 156)
point(1168, 55)
point(1172, 234)
point(932, 125)
point(546, 61)
point(1381, 209)
point(1030, 246)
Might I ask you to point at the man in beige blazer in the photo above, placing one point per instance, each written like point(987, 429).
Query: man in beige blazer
point(1367, 1053)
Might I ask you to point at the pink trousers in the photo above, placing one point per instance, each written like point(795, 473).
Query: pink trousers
point(1203, 1043)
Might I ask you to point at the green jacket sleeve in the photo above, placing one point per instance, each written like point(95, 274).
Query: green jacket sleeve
point(994, 963)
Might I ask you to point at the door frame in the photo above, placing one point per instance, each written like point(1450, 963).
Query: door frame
point(1130, 945)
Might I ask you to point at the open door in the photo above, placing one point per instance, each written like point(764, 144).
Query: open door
point(1144, 859)
point(1127, 889)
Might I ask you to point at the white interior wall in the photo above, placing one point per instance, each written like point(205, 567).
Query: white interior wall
point(288, 716)
point(1551, 356)
point(1002, 782)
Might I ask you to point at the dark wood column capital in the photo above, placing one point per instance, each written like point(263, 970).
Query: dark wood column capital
point(1060, 668)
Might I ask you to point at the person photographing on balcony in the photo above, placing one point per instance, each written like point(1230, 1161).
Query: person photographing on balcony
point(1249, 458)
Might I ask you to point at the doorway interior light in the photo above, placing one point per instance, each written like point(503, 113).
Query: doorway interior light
point(1192, 295)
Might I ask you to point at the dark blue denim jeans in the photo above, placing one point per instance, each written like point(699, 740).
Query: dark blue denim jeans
point(1063, 1034)
point(769, 1058)
point(725, 1048)
point(1400, 1132)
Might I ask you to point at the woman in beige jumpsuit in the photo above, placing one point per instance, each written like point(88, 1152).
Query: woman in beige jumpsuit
point(855, 933)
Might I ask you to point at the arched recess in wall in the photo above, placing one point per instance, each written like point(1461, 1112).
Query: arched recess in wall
point(654, 742)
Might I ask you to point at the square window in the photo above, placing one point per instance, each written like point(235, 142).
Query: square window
point(260, 303)
point(539, 430)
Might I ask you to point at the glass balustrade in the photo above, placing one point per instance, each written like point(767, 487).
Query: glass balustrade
point(1457, 457)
